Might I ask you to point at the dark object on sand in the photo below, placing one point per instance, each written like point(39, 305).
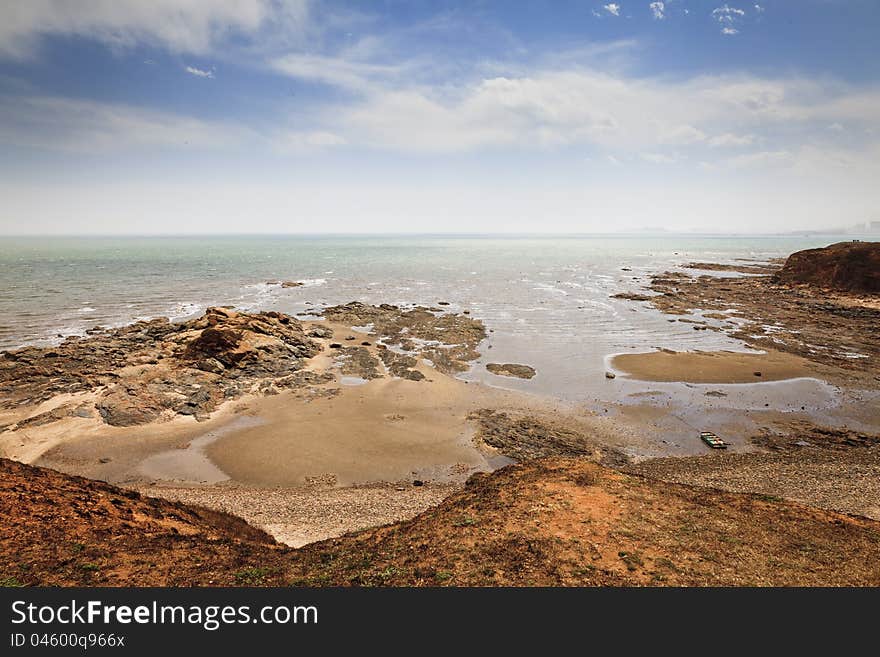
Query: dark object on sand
point(712, 440)
point(511, 369)
point(845, 266)
point(335, 345)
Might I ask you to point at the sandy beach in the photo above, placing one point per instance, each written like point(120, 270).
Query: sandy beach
point(726, 367)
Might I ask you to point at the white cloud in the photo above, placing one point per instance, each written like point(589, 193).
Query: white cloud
point(200, 73)
point(657, 9)
point(729, 139)
point(88, 126)
point(298, 142)
point(337, 71)
point(552, 108)
point(681, 134)
point(658, 158)
point(761, 159)
point(727, 13)
point(186, 26)
point(612, 8)
point(728, 17)
point(759, 9)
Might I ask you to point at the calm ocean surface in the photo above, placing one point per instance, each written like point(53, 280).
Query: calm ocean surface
point(547, 298)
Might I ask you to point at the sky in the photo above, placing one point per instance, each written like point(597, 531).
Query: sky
point(288, 116)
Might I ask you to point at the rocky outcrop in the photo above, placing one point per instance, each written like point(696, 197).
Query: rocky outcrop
point(448, 340)
point(152, 369)
point(845, 267)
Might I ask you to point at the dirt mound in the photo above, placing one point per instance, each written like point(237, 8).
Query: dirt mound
point(568, 521)
point(69, 531)
point(845, 266)
point(559, 521)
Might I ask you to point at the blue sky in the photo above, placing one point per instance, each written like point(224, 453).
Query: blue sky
point(318, 116)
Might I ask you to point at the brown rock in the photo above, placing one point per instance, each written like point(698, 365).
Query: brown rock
point(845, 266)
point(511, 369)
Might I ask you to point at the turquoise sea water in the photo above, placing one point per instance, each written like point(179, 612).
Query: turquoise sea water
point(546, 298)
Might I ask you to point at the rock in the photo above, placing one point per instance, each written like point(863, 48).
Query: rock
point(757, 373)
point(321, 332)
point(291, 284)
point(511, 369)
point(609, 375)
point(148, 368)
point(845, 266)
point(214, 343)
point(84, 411)
point(418, 482)
point(120, 409)
point(335, 345)
point(442, 303)
point(632, 296)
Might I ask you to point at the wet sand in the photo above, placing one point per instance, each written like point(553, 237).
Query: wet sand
point(713, 366)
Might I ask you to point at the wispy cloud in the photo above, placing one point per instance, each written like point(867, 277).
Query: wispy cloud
point(612, 8)
point(55, 123)
point(195, 26)
point(728, 17)
point(200, 73)
point(338, 71)
point(729, 139)
point(657, 10)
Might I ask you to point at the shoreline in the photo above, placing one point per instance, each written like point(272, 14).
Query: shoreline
point(410, 432)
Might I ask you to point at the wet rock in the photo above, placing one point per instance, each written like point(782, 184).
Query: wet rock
point(358, 361)
point(287, 284)
point(448, 340)
point(401, 365)
point(527, 437)
point(511, 369)
point(609, 375)
point(632, 296)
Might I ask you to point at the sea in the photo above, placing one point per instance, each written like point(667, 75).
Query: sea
point(546, 299)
